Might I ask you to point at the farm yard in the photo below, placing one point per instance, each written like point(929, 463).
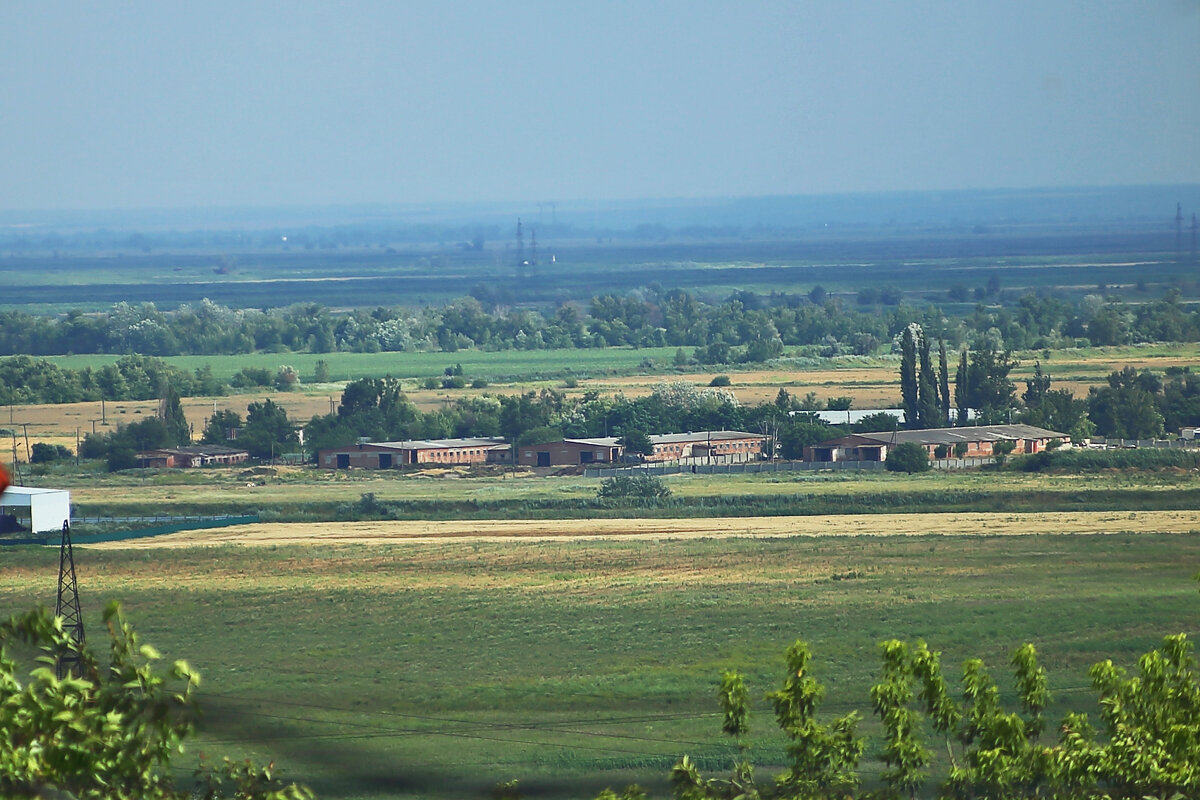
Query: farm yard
point(437, 631)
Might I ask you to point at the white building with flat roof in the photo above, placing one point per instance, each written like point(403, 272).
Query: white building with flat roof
point(36, 510)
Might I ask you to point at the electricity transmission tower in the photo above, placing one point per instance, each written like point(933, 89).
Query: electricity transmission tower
point(67, 605)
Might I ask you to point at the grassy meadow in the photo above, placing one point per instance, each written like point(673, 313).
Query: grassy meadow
point(302, 494)
point(439, 669)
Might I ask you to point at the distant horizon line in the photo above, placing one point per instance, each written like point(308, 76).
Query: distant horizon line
point(578, 204)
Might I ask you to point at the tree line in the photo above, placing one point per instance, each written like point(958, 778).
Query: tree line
point(743, 326)
point(1131, 404)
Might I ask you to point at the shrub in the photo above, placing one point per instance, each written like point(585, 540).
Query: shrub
point(720, 380)
point(248, 377)
point(1001, 450)
point(287, 378)
point(908, 457)
point(45, 453)
point(1081, 460)
point(943, 450)
point(639, 487)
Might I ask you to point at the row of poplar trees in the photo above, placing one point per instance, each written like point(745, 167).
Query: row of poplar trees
point(980, 383)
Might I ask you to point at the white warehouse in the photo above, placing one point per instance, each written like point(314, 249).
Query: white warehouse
point(35, 510)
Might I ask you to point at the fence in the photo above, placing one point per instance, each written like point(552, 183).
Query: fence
point(1146, 443)
point(745, 467)
point(179, 524)
point(751, 467)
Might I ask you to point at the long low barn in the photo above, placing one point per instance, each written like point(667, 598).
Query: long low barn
point(441, 452)
point(968, 442)
point(205, 455)
point(717, 446)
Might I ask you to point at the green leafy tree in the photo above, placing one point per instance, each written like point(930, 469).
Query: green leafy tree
point(985, 386)
point(1179, 403)
point(841, 403)
point(903, 752)
point(824, 756)
point(1036, 388)
point(879, 421)
point(907, 457)
point(636, 442)
point(218, 426)
point(43, 453)
point(268, 432)
point(542, 435)
point(1127, 407)
point(111, 731)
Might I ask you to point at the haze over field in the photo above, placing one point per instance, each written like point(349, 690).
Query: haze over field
point(228, 104)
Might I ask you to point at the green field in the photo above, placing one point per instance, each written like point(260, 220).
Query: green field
point(475, 363)
point(440, 669)
point(1087, 363)
point(312, 495)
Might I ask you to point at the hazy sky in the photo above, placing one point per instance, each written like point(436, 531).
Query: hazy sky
point(119, 104)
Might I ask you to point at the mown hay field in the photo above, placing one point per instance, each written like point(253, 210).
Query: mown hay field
point(428, 531)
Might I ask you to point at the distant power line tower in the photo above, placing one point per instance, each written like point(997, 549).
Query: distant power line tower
point(67, 605)
point(521, 262)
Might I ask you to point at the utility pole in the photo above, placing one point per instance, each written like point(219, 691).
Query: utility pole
point(67, 606)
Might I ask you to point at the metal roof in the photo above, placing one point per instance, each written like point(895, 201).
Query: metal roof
point(599, 441)
point(974, 433)
point(438, 444)
point(25, 492)
point(703, 436)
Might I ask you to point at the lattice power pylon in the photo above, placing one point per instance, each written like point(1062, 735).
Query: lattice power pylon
point(67, 605)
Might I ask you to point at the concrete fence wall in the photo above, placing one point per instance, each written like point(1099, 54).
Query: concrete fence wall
point(1148, 443)
point(734, 469)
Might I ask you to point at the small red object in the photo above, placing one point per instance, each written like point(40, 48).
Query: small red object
point(5, 481)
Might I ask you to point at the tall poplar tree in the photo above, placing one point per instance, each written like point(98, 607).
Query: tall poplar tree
point(962, 378)
point(170, 411)
point(928, 410)
point(908, 376)
point(943, 382)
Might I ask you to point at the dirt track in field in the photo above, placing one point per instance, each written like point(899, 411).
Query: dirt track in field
point(374, 533)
